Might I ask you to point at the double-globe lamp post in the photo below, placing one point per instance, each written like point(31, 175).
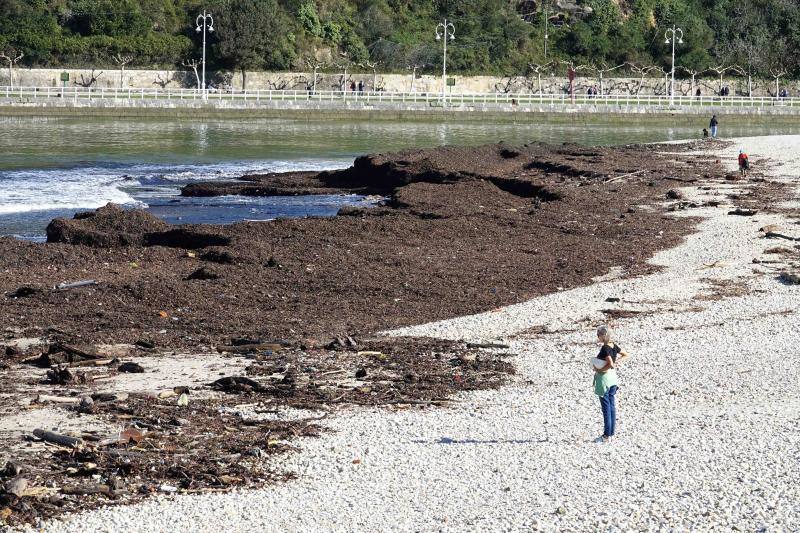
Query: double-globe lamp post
point(443, 31)
point(205, 24)
point(671, 35)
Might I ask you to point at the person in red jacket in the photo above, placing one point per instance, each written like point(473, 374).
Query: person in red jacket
point(744, 163)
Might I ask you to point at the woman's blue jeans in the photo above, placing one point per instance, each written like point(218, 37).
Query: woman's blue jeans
point(608, 404)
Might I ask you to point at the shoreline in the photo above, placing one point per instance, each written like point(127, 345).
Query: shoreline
point(521, 457)
point(362, 434)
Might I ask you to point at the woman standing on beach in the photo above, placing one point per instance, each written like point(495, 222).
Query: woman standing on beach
point(606, 381)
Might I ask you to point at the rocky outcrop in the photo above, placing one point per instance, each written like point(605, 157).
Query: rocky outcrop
point(112, 226)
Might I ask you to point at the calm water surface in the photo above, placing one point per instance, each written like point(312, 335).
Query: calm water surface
point(55, 167)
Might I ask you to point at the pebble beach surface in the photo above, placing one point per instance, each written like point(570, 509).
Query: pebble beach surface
point(709, 413)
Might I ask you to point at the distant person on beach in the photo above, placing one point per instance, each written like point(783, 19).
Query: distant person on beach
point(606, 381)
point(744, 163)
point(698, 93)
point(713, 125)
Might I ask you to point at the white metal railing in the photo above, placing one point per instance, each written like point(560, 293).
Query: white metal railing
point(432, 98)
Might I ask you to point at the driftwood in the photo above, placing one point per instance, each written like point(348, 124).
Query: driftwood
point(251, 348)
point(488, 345)
point(91, 488)
point(79, 352)
point(44, 398)
point(743, 212)
point(775, 235)
point(55, 438)
point(75, 285)
point(629, 174)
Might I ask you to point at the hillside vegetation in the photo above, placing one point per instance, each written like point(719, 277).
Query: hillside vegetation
point(491, 36)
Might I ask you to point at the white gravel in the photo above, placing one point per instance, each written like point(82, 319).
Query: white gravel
point(709, 415)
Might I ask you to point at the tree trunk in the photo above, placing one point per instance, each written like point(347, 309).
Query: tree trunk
point(244, 79)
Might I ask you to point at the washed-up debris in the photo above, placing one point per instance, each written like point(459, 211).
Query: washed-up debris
point(203, 273)
point(62, 375)
point(75, 285)
point(245, 348)
point(488, 345)
point(743, 212)
point(145, 344)
point(131, 368)
point(23, 292)
point(776, 235)
point(55, 438)
point(790, 278)
point(343, 343)
point(674, 194)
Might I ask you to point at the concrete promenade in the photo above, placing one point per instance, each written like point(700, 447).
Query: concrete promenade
point(372, 110)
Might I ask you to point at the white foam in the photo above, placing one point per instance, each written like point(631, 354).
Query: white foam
point(91, 186)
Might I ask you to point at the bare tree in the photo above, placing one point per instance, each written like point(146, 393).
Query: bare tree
point(89, 82)
point(507, 84)
point(343, 64)
point(122, 61)
point(777, 72)
point(374, 67)
point(720, 70)
point(414, 67)
point(643, 71)
point(602, 68)
point(537, 69)
point(742, 72)
point(13, 57)
point(162, 82)
point(193, 64)
point(315, 65)
point(693, 73)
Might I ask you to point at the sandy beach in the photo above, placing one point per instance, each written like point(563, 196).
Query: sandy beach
point(709, 408)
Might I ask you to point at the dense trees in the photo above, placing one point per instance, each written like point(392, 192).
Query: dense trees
point(760, 36)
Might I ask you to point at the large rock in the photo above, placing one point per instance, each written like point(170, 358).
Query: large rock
point(112, 226)
point(107, 227)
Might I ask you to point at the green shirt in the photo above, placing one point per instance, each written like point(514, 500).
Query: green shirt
point(604, 381)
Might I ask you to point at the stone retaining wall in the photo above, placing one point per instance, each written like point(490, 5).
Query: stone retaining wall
point(387, 82)
point(371, 111)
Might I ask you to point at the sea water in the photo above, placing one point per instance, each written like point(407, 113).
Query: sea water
point(51, 167)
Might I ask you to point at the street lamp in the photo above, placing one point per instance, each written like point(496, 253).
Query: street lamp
point(205, 24)
point(447, 30)
point(546, 36)
point(670, 36)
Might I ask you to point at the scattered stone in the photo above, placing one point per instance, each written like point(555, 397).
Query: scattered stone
point(789, 278)
point(361, 373)
point(86, 405)
point(674, 194)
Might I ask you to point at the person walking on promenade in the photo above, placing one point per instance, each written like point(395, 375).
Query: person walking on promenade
point(744, 163)
point(606, 381)
point(713, 125)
